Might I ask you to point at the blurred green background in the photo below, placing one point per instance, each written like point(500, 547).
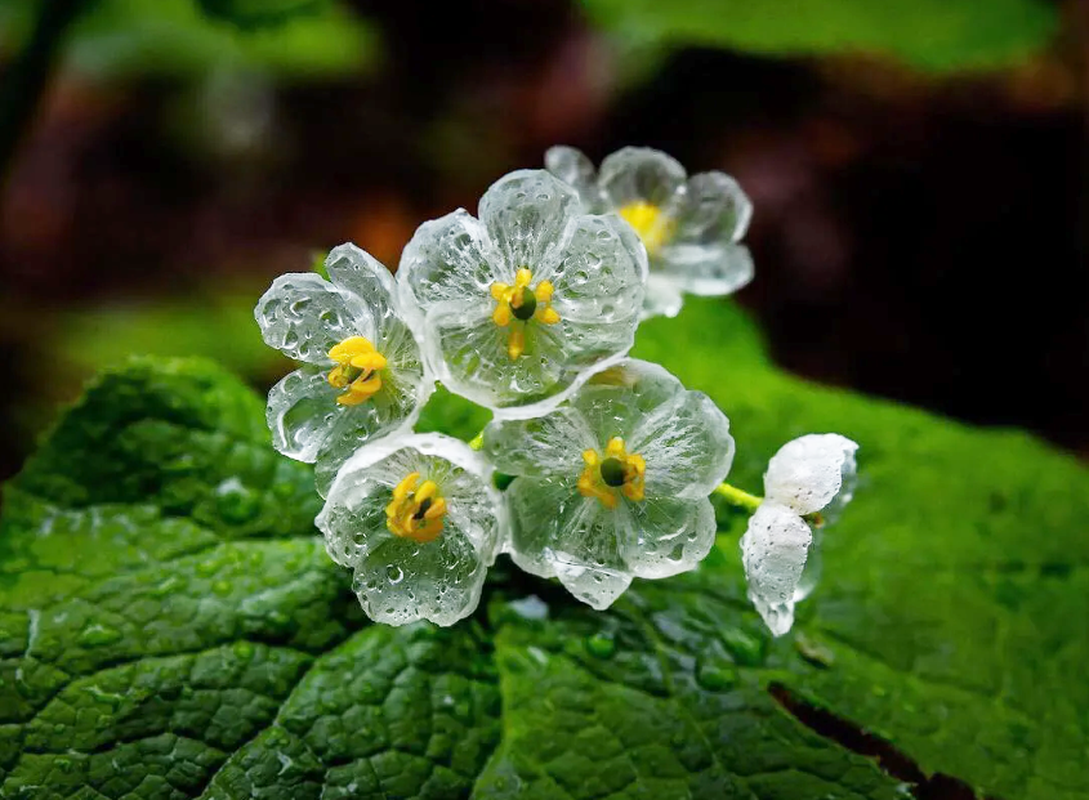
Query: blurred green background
point(918, 169)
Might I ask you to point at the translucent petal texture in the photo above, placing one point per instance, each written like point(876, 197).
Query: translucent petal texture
point(594, 549)
point(450, 260)
point(641, 174)
point(814, 564)
point(663, 298)
point(690, 437)
point(356, 271)
point(470, 358)
point(709, 270)
point(601, 274)
point(397, 579)
point(666, 536)
point(304, 316)
point(618, 400)
point(713, 210)
point(551, 445)
point(597, 268)
point(572, 167)
point(301, 411)
point(807, 474)
point(773, 552)
point(555, 532)
point(526, 213)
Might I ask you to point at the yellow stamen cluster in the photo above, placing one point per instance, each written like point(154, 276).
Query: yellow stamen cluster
point(416, 513)
point(616, 470)
point(654, 227)
point(518, 304)
point(356, 371)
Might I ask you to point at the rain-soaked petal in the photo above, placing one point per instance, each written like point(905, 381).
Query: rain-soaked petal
point(810, 472)
point(418, 521)
point(773, 552)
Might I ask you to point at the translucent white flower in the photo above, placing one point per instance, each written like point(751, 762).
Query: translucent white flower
point(418, 522)
point(363, 375)
point(808, 482)
point(614, 484)
point(690, 226)
point(522, 305)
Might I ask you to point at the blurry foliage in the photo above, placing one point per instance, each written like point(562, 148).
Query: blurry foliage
point(183, 38)
point(259, 13)
point(930, 34)
point(218, 325)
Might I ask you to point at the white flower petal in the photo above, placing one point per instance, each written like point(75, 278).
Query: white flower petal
point(526, 213)
point(687, 446)
point(550, 445)
point(641, 174)
point(614, 401)
point(301, 411)
point(304, 316)
point(557, 532)
point(449, 260)
point(400, 580)
point(773, 552)
point(663, 297)
point(705, 270)
point(355, 270)
point(666, 536)
point(601, 274)
point(714, 210)
point(807, 474)
point(813, 565)
point(572, 167)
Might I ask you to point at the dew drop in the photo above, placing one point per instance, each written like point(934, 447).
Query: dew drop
point(394, 574)
point(716, 676)
point(601, 645)
point(746, 649)
point(96, 635)
point(243, 649)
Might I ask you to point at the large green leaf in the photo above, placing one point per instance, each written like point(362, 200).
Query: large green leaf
point(171, 627)
point(933, 34)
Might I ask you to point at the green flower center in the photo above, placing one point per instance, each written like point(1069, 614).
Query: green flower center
point(528, 306)
point(612, 472)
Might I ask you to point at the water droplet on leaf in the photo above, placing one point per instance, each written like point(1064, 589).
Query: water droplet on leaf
point(601, 645)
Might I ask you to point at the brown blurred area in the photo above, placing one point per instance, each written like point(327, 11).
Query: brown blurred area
point(916, 237)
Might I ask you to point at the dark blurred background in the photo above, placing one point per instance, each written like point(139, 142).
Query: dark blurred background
point(918, 168)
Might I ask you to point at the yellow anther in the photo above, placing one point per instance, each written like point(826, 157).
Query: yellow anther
point(356, 371)
point(653, 226)
point(518, 305)
point(416, 512)
point(615, 470)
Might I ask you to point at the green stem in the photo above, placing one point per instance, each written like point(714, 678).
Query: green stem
point(739, 497)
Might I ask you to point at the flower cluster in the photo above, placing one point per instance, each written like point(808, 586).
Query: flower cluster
point(529, 309)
